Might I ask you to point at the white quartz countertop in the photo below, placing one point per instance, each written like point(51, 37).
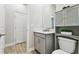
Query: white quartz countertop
point(46, 32)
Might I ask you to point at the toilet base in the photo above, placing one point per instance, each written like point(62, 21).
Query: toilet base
point(59, 51)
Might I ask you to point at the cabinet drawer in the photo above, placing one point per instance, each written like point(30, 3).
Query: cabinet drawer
point(40, 35)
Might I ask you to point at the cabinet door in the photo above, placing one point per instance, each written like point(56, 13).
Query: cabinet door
point(49, 44)
point(59, 21)
point(42, 45)
point(72, 16)
point(37, 43)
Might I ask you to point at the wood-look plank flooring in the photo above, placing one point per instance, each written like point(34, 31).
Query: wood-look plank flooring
point(19, 48)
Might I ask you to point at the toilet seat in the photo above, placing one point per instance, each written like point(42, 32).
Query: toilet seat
point(59, 51)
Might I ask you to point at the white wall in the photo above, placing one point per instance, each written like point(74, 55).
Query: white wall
point(9, 19)
point(34, 23)
point(36, 17)
point(47, 13)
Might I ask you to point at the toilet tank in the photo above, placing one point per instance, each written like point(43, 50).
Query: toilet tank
point(67, 45)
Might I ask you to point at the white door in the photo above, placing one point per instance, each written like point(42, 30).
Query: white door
point(20, 31)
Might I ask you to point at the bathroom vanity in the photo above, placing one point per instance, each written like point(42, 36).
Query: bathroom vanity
point(44, 42)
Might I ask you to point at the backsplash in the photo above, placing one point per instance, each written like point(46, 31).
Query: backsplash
point(74, 29)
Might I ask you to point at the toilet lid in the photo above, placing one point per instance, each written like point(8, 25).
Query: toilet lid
point(59, 51)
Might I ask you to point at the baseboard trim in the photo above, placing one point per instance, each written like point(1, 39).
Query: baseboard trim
point(30, 49)
point(7, 45)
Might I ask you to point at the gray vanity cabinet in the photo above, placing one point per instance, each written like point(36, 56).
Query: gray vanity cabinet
point(68, 17)
point(43, 43)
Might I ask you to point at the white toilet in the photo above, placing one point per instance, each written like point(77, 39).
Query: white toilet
point(67, 46)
